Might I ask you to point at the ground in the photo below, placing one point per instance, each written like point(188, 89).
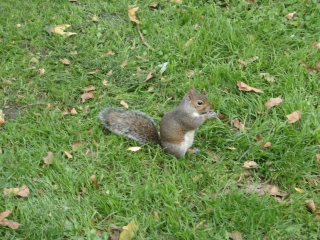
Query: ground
point(83, 182)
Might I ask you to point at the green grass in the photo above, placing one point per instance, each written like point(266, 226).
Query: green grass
point(146, 183)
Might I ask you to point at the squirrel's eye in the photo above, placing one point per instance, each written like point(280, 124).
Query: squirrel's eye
point(199, 102)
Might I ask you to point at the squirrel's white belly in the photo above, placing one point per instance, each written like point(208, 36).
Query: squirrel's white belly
point(188, 140)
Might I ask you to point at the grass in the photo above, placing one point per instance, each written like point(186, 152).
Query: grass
point(199, 197)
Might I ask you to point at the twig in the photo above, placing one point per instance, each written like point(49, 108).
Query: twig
point(142, 38)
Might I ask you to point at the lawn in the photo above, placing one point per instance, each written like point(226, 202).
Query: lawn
point(83, 182)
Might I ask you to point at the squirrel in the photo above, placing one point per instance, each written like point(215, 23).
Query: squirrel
point(177, 127)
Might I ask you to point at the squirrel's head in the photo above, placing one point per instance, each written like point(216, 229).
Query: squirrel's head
point(198, 101)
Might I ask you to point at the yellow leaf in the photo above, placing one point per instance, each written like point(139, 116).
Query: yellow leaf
point(132, 13)
point(129, 231)
point(299, 190)
point(134, 149)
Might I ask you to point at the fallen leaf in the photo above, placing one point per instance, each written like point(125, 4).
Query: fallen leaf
point(267, 77)
point(266, 145)
point(124, 63)
point(151, 89)
point(273, 102)
point(110, 53)
point(109, 73)
point(153, 5)
point(259, 138)
point(6, 222)
point(86, 108)
point(250, 164)
point(318, 157)
point(132, 13)
point(8, 82)
point(176, 1)
point(221, 116)
point(299, 190)
point(68, 154)
point(242, 63)
point(88, 88)
point(65, 61)
point(2, 121)
point(293, 117)
point(42, 71)
point(129, 231)
point(200, 223)
point(148, 76)
point(95, 18)
point(93, 179)
point(237, 124)
point(190, 73)
point(263, 189)
point(235, 235)
point(48, 159)
point(73, 111)
point(18, 25)
point(59, 29)
point(105, 83)
point(123, 103)
point(87, 96)
point(291, 16)
point(22, 192)
point(134, 149)
point(316, 45)
point(244, 87)
point(94, 72)
point(189, 42)
point(73, 52)
point(75, 145)
point(163, 67)
point(251, 60)
point(309, 204)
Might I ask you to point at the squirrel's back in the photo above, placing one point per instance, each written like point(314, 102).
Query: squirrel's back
point(135, 125)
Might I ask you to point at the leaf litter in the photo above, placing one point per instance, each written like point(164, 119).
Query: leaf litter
point(8, 223)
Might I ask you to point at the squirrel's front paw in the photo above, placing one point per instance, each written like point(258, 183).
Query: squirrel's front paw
point(211, 114)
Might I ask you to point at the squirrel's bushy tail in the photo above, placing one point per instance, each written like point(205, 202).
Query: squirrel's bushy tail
point(134, 125)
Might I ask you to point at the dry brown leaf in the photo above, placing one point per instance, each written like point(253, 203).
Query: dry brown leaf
point(267, 77)
point(86, 108)
point(22, 192)
point(153, 5)
point(244, 87)
point(318, 157)
point(293, 117)
point(134, 149)
point(250, 164)
point(48, 159)
point(73, 52)
point(221, 116)
point(110, 72)
point(73, 111)
point(105, 83)
point(88, 88)
point(75, 145)
point(309, 204)
point(132, 13)
point(273, 102)
point(291, 16)
point(65, 61)
point(59, 29)
point(111, 53)
point(123, 103)
point(1, 120)
point(68, 154)
point(237, 124)
point(6, 222)
point(189, 42)
point(263, 189)
point(311, 69)
point(95, 18)
point(42, 71)
point(266, 145)
point(94, 72)
point(124, 63)
point(93, 179)
point(190, 73)
point(87, 96)
point(235, 236)
point(148, 76)
point(242, 64)
point(316, 45)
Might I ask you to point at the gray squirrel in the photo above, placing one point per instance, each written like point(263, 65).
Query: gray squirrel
point(177, 127)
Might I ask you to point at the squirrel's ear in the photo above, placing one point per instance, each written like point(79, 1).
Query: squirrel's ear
point(190, 93)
